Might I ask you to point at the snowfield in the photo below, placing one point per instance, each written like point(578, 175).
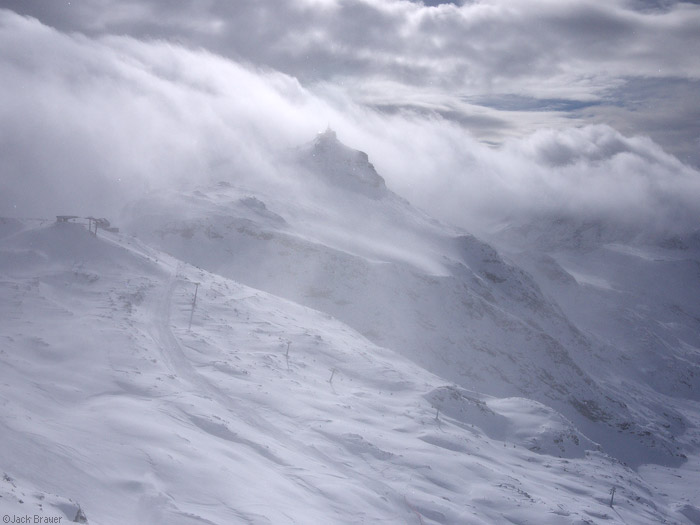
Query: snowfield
point(347, 360)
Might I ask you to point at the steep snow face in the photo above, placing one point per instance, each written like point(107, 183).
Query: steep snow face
point(125, 402)
point(441, 297)
point(635, 297)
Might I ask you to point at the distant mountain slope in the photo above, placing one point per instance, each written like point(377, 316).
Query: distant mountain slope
point(635, 297)
point(437, 295)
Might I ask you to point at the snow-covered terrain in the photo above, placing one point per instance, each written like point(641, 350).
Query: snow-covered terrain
point(438, 296)
point(347, 360)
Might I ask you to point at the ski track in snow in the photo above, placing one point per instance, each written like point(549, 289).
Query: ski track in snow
point(174, 355)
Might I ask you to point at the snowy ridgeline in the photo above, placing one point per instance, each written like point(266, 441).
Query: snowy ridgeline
point(433, 380)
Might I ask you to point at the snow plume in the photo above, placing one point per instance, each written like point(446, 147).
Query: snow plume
point(87, 123)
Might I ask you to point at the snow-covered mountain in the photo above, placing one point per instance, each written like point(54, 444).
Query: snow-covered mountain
point(348, 359)
point(438, 296)
point(340, 166)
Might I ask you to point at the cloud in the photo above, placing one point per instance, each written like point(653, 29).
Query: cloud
point(592, 173)
point(88, 123)
point(477, 36)
point(533, 52)
point(635, 105)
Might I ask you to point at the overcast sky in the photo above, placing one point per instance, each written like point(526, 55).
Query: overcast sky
point(498, 67)
point(550, 84)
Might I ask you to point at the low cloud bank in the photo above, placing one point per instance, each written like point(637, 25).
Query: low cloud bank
point(87, 124)
point(592, 173)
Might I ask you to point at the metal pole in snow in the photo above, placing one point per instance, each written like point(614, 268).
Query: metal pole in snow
point(194, 302)
point(612, 495)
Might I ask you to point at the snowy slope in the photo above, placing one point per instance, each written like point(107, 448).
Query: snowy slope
point(635, 297)
point(335, 239)
point(263, 412)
